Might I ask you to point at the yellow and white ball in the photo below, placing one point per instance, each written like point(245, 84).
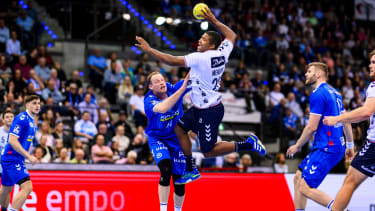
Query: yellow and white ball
point(197, 10)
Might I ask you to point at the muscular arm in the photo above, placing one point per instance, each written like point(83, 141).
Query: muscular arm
point(168, 103)
point(165, 58)
point(309, 130)
point(13, 141)
point(225, 30)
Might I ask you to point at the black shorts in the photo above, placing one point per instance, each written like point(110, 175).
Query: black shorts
point(364, 161)
point(204, 122)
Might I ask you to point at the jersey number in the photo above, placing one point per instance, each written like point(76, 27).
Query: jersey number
point(215, 82)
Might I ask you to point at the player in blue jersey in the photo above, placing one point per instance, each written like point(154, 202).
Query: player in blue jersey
point(204, 117)
point(21, 134)
point(163, 108)
point(328, 145)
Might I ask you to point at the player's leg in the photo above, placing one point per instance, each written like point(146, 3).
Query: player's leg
point(179, 193)
point(314, 194)
point(299, 198)
point(165, 167)
point(352, 180)
point(5, 196)
point(20, 198)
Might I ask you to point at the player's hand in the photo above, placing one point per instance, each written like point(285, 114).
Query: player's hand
point(330, 120)
point(186, 81)
point(349, 154)
point(292, 150)
point(208, 15)
point(33, 159)
point(142, 43)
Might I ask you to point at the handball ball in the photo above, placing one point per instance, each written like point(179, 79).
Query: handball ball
point(197, 10)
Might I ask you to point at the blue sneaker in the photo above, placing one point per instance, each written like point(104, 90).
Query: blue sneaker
point(257, 144)
point(189, 176)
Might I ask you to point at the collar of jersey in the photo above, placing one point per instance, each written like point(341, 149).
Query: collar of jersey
point(29, 114)
point(319, 86)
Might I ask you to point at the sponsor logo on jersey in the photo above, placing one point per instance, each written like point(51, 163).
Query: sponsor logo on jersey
point(16, 129)
point(158, 155)
point(18, 166)
point(22, 117)
point(217, 61)
point(31, 124)
point(169, 117)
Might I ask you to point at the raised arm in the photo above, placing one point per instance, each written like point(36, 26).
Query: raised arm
point(165, 58)
point(225, 30)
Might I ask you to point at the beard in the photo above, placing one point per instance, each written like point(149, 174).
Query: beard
point(311, 81)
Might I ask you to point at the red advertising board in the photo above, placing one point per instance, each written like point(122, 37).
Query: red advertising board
point(92, 190)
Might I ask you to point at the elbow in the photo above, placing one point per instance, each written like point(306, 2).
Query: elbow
point(367, 114)
point(311, 129)
point(160, 109)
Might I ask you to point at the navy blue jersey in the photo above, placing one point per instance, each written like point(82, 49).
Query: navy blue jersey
point(326, 101)
point(24, 128)
point(162, 125)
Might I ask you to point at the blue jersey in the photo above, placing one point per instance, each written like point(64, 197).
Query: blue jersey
point(326, 101)
point(162, 125)
point(24, 128)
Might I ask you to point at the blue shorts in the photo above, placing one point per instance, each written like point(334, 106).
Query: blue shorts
point(205, 123)
point(13, 172)
point(364, 161)
point(317, 165)
point(168, 149)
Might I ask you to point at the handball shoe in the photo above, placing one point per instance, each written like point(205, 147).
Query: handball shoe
point(257, 144)
point(189, 176)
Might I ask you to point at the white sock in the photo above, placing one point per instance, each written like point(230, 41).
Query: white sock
point(11, 209)
point(330, 204)
point(177, 208)
point(178, 201)
point(163, 206)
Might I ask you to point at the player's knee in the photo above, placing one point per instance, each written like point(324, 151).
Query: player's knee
point(296, 178)
point(179, 190)
point(165, 167)
point(179, 131)
point(305, 189)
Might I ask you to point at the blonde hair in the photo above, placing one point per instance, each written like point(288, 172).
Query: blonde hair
point(372, 53)
point(150, 76)
point(321, 66)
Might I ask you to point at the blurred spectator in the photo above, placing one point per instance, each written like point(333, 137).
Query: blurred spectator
point(26, 24)
point(97, 65)
point(4, 35)
point(60, 134)
point(39, 155)
point(290, 122)
point(131, 158)
point(84, 128)
point(122, 121)
point(32, 57)
point(280, 166)
point(116, 153)
point(113, 58)
point(140, 146)
point(293, 105)
point(50, 105)
point(128, 70)
point(137, 106)
point(101, 153)
point(35, 80)
point(124, 92)
point(230, 160)
point(90, 90)
point(75, 79)
point(72, 99)
point(47, 149)
point(78, 158)
point(45, 131)
point(60, 73)
point(42, 52)
point(239, 71)
point(120, 138)
point(245, 162)
point(143, 63)
point(42, 70)
point(63, 157)
point(58, 147)
point(105, 108)
point(13, 47)
point(111, 81)
point(103, 119)
point(5, 71)
point(87, 106)
point(51, 117)
point(51, 91)
point(53, 76)
point(276, 95)
point(19, 84)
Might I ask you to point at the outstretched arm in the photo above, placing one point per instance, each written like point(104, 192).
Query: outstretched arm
point(225, 30)
point(165, 58)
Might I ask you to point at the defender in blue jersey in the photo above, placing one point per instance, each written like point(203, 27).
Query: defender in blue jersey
point(21, 134)
point(163, 108)
point(328, 141)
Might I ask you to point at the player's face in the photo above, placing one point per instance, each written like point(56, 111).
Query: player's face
point(310, 76)
point(204, 43)
point(157, 84)
point(34, 107)
point(372, 67)
point(8, 119)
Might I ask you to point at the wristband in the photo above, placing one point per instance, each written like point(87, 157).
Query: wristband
point(350, 144)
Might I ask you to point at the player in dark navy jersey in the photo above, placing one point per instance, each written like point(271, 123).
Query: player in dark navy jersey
point(163, 108)
point(21, 134)
point(328, 145)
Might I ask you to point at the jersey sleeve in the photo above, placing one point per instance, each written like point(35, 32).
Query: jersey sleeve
point(18, 125)
point(317, 104)
point(225, 49)
point(178, 85)
point(192, 59)
point(371, 90)
point(150, 102)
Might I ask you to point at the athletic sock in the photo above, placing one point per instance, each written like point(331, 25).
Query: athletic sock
point(11, 209)
point(300, 209)
point(163, 206)
point(189, 163)
point(4, 209)
point(177, 208)
point(330, 204)
point(243, 146)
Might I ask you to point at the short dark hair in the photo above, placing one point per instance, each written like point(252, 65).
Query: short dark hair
point(30, 98)
point(7, 111)
point(215, 38)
